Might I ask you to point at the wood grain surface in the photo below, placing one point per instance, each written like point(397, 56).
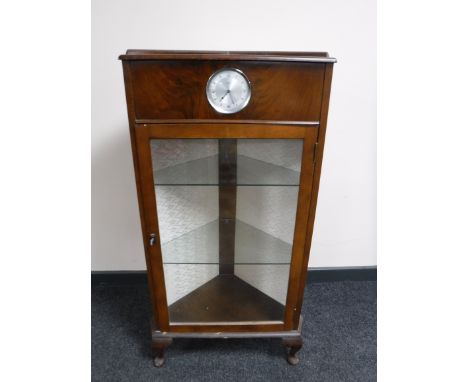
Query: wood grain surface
point(177, 90)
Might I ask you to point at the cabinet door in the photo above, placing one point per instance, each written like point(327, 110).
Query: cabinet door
point(228, 207)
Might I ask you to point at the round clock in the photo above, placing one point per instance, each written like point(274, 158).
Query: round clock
point(228, 91)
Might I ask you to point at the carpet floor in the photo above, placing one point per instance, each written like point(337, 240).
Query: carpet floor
point(339, 335)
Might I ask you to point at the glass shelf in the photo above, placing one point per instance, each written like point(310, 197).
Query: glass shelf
point(201, 246)
point(204, 172)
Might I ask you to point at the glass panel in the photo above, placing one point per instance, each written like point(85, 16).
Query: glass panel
point(256, 162)
point(226, 212)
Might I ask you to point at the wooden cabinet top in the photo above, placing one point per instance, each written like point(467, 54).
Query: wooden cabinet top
point(138, 55)
point(171, 85)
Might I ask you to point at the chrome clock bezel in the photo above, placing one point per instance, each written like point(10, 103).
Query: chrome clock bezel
point(217, 107)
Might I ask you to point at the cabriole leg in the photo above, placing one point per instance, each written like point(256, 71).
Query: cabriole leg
point(294, 344)
point(158, 345)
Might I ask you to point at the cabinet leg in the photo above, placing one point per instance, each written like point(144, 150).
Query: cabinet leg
point(158, 345)
point(294, 344)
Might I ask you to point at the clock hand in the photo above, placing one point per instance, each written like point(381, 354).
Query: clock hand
point(232, 98)
point(225, 94)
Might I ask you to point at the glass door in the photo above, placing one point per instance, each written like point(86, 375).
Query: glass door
point(226, 211)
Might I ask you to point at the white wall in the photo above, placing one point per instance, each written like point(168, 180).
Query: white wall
point(345, 230)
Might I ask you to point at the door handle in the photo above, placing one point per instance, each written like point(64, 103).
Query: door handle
point(152, 239)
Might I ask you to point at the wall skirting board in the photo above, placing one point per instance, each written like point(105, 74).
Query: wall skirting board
point(116, 278)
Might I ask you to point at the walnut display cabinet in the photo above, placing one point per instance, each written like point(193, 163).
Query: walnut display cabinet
point(227, 150)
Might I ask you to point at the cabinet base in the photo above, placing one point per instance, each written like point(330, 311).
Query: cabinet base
point(292, 340)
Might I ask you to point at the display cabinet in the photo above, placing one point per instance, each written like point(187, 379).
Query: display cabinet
point(227, 150)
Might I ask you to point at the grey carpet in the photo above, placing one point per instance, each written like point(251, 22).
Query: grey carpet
point(339, 341)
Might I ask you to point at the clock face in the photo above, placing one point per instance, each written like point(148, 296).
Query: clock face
point(228, 91)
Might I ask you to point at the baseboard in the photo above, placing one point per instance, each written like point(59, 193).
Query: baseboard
point(317, 275)
point(116, 278)
point(314, 275)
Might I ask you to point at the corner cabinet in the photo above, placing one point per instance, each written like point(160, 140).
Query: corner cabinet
point(227, 150)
